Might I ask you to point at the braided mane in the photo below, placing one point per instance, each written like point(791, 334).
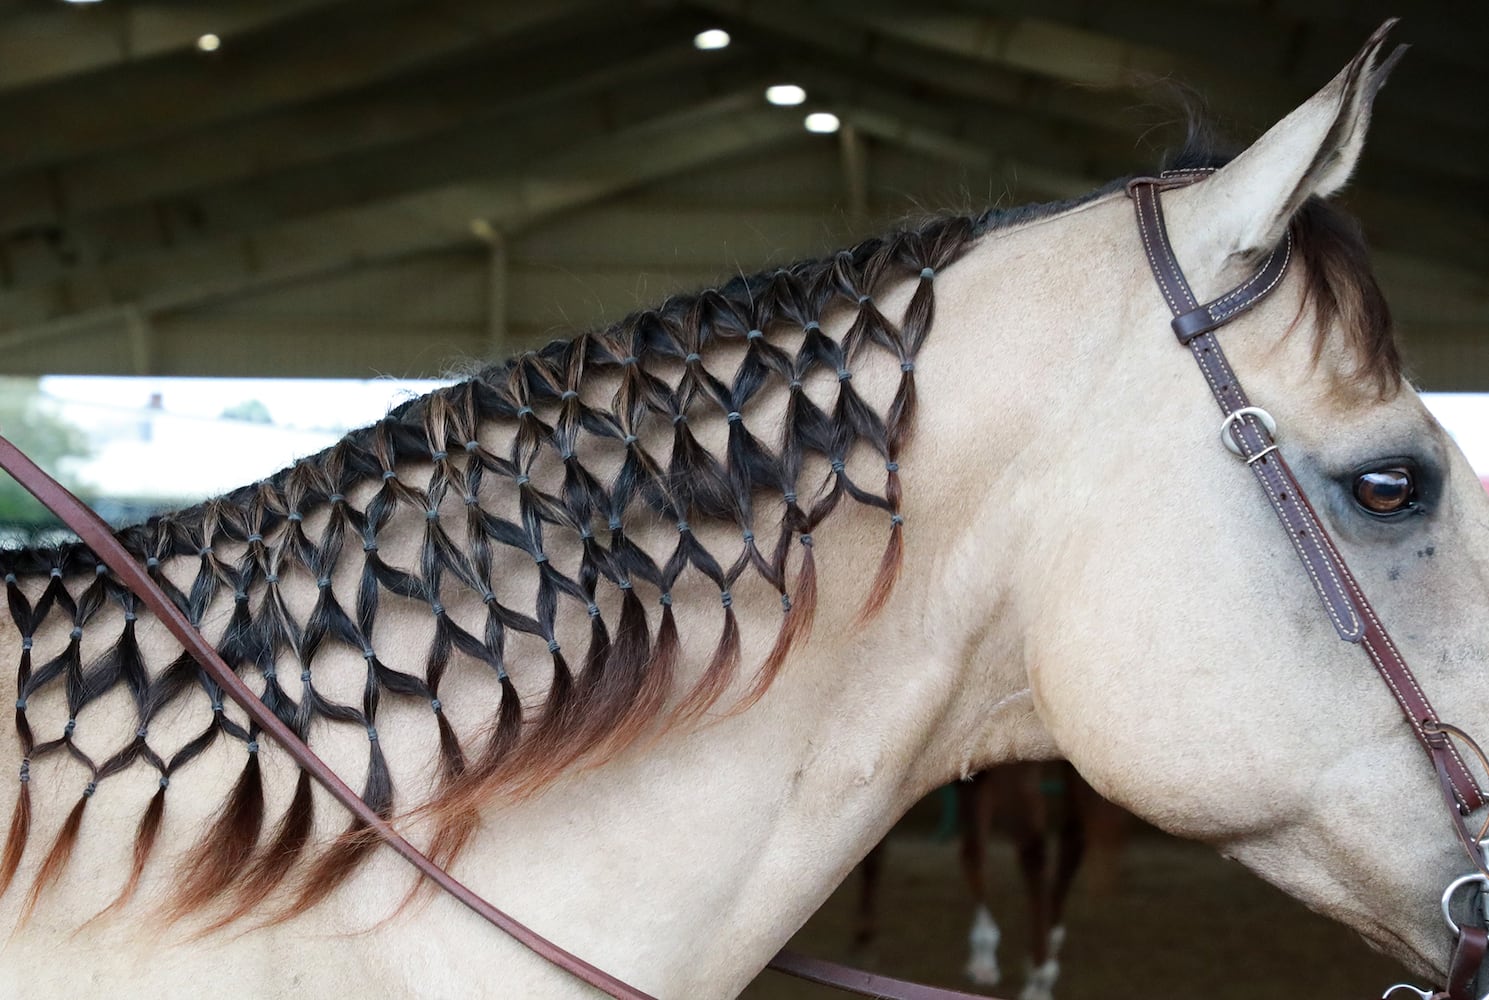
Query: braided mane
point(557, 461)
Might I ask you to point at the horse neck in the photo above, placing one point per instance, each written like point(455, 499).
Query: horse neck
point(697, 821)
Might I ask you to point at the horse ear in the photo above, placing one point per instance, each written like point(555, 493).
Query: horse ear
point(1309, 153)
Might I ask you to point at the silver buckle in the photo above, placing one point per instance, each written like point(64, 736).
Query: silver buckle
point(1228, 438)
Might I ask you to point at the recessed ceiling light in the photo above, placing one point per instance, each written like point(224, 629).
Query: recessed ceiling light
point(822, 122)
point(209, 43)
point(713, 38)
point(785, 94)
point(82, 1)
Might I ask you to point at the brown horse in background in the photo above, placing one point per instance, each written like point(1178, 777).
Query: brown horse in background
point(1039, 806)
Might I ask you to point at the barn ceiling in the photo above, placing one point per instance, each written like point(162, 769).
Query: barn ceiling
point(359, 187)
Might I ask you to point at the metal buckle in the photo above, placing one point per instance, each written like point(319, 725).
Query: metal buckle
point(1228, 438)
point(1453, 887)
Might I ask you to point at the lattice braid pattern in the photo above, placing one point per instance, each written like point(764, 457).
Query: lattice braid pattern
point(247, 543)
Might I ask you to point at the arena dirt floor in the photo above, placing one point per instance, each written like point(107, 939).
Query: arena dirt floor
point(1176, 922)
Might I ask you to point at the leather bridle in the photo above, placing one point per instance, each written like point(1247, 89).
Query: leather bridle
point(1246, 429)
point(1249, 431)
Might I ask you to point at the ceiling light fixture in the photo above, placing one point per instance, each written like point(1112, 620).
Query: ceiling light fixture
point(822, 122)
point(785, 95)
point(713, 38)
point(209, 43)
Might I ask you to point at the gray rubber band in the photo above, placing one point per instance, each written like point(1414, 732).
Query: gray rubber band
point(896, 519)
point(253, 746)
point(440, 456)
point(553, 646)
point(928, 273)
point(435, 705)
point(735, 416)
point(336, 497)
point(569, 394)
point(755, 335)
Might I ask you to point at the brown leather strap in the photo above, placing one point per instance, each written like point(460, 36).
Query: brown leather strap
point(1468, 956)
point(842, 977)
point(100, 538)
point(1351, 614)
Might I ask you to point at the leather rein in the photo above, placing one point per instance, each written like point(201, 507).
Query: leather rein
point(1246, 429)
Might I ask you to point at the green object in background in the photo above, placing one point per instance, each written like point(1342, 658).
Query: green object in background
point(28, 420)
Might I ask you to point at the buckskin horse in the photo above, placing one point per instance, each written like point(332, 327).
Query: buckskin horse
point(650, 635)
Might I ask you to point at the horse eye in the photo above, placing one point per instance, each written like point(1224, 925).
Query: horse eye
point(1386, 491)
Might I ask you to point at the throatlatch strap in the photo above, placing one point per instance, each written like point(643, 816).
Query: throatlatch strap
point(1353, 618)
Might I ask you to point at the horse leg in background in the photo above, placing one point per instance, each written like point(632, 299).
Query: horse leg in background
point(866, 922)
point(1075, 798)
point(1028, 821)
point(975, 803)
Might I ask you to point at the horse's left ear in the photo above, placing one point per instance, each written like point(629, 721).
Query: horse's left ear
point(1249, 203)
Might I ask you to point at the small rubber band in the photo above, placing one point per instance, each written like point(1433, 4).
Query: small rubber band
point(72, 725)
point(907, 366)
point(336, 498)
point(20, 704)
point(806, 539)
point(89, 789)
point(440, 456)
point(755, 335)
point(388, 474)
point(524, 411)
point(569, 394)
point(323, 582)
point(625, 584)
point(540, 558)
point(239, 596)
point(523, 480)
point(614, 523)
point(795, 383)
point(372, 734)
point(368, 653)
point(865, 299)
point(665, 600)
point(165, 782)
point(837, 465)
point(270, 673)
point(693, 358)
point(811, 325)
point(844, 375)
point(683, 527)
point(896, 519)
point(726, 598)
point(130, 616)
point(471, 500)
point(785, 602)
point(431, 514)
point(891, 467)
point(678, 418)
point(487, 597)
point(369, 546)
point(76, 633)
point(272, 578)
point(735, 416)
point(789, 496)
point(472, 445)
point(10, 578)
point(629, 359)
point(142, 732)
point(435, 705)
point(253, 746)
point(56, 572)
point(553, 646)
point(152, 562)
point(27, 642)
point(295, 515)
point(100, 569)
point(437, 608)
point(629, 439)
point(594, 611)
point(749, 536)
point(255, 537)
point(927, 273)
